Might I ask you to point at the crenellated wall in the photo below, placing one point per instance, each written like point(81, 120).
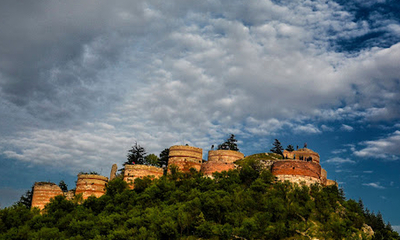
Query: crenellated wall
point(139, 171)
point(43, 192)
point(220, 160)
point(185, 157)
point(91, 184)
point(300, 166)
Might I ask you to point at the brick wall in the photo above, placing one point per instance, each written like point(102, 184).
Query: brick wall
point(297, 167)
point(43, 192)
point(185, 157)
point(91, 184)
point(226, 156)
point(208, 168)
point(139, 171)
point(220, 160)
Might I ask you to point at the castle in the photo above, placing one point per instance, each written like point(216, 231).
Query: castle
point(300, 166)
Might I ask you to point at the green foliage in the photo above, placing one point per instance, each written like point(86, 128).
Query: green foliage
point(278, 149)
point(290, 148)
point(244, 203)
point(152, 160)
point(26, 199)
point(229, 144)
point(63, 186)
point(136, 155)
point(164, 157)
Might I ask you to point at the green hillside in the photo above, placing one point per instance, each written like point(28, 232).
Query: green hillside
point(239, 204)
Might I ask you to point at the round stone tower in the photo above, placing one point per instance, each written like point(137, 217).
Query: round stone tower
point(43, 192)
point(220, 160)
point(185, 157)
point(91, 184)
point(139, 171)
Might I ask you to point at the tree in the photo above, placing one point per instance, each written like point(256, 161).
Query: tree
point(63, 186)
point(152, 160)
point(277, 147)
point(136, 155)
point(290, 148)
point(26, 200)
point(164, 157)
point(229, 144)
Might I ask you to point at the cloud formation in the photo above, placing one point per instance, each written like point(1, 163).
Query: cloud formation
point(80, 82)
point(386, 147)
point(338, 160)
point(374, 185)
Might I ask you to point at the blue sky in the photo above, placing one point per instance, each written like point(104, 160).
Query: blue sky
point(81, 82)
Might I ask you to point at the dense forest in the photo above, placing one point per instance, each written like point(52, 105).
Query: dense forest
point(245, 203)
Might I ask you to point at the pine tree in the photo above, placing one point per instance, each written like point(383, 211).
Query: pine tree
point(229, 144)
point(164, 157)
point(63, 186)
point(136, 155)
point(277, 147)
point(290, 148)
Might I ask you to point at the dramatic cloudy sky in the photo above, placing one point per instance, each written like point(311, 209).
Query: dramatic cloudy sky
point(80, 82)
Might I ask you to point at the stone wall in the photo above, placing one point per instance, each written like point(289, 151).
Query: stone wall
point(220, 160)
point(226, 156)
point(302, 153)
point(324, 176)
point(185, 157)
point(208, 168)
point(91, 184)
point(43, 192)
point(298, 179)
point(297, 168)
point(331, 182)
point(139, 171)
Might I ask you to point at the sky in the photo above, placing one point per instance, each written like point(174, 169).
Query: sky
point(81, 82)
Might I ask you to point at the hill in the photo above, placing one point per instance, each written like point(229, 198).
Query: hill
point(245, 203)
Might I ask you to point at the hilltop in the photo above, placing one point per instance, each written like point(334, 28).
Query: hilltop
point(243, 203)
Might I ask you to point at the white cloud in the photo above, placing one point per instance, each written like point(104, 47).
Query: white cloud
point(396, 228)
point(374, 185)
point(326, 128)
point(308, 129)
point(338, 151)
point(346, 128)
point(182, 72)
point(338, 160)
point(386, 147)
point(368, 171)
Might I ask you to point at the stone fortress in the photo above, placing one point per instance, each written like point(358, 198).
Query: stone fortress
point(300, 166)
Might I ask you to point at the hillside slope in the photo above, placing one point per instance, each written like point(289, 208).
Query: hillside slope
point(239, 204)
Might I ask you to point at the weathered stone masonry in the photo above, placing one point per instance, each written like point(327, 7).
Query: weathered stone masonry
point(300, 166)
point(43, 192)
point(220, 160)
point(139, 171)
point(185, 157)
point(90, 184)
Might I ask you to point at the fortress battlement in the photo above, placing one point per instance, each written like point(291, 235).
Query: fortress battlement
point(300, 166)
